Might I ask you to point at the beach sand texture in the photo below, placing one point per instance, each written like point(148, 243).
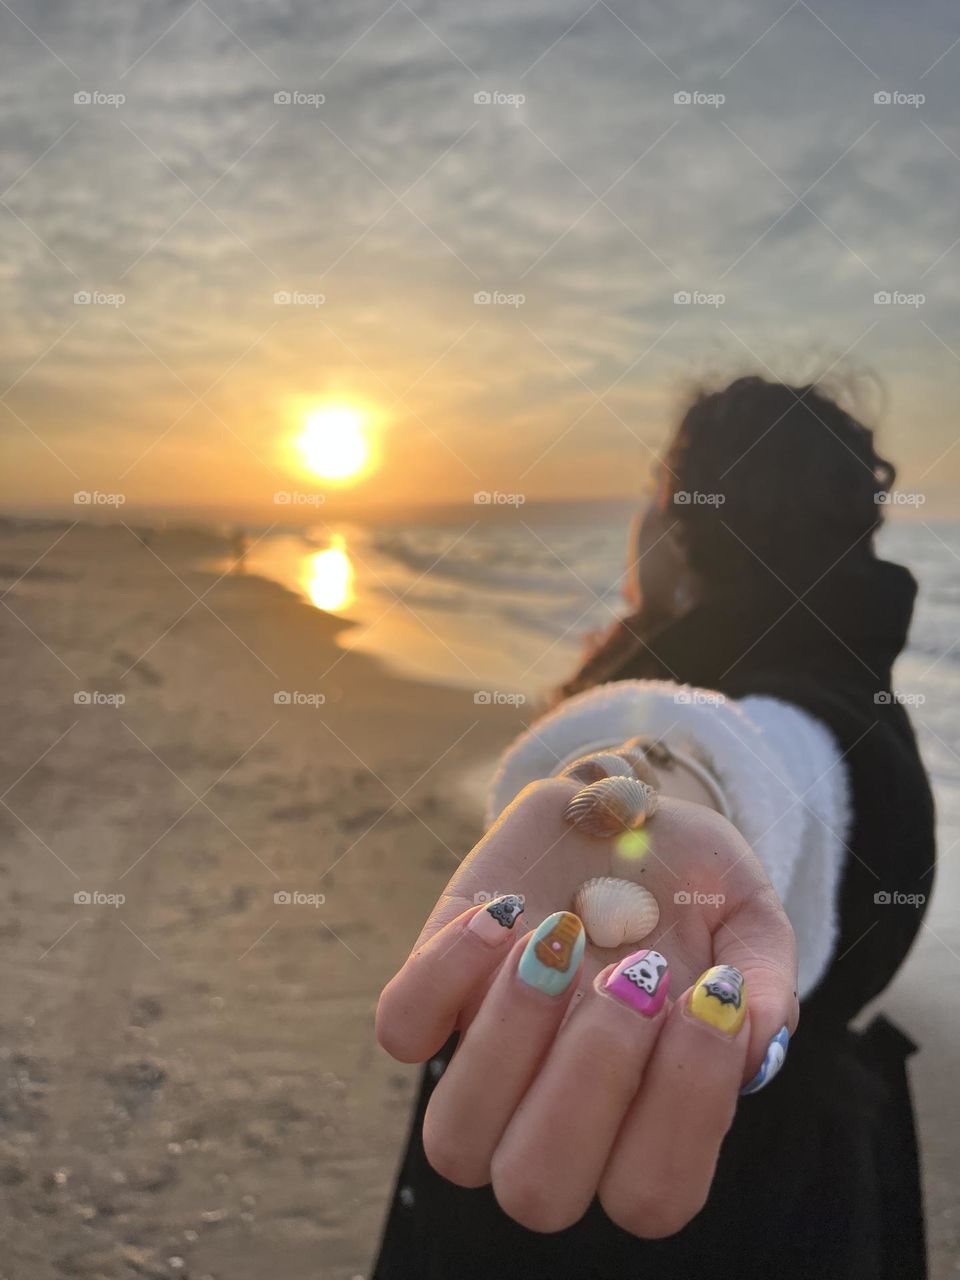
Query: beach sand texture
point(190, 1082)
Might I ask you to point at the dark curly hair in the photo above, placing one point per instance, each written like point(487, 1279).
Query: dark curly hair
point(767, 481)
point(775, 474)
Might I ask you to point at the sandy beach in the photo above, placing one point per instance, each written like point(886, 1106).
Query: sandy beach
point(191, 1087)
point(191, 1084)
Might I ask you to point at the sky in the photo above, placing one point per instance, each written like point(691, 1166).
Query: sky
point(276, 207)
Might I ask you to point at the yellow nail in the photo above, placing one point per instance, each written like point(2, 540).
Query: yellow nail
point(720, 998)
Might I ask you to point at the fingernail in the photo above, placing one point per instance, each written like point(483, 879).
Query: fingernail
point(772, 1062)
point(641, 981)
point(493, 924)
point(720, 998)
point(552, 956)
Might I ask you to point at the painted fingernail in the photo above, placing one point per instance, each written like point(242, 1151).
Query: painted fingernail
point(641, 981)
point(611, 805)
point(493, 924)
point(772, 1062)
point(720, 998)
point(552, 956)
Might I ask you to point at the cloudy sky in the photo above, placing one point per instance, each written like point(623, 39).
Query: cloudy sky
point(183, 164)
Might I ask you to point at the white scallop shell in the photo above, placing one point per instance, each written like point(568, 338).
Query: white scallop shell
point(615, 912)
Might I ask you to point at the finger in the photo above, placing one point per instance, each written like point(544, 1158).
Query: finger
point(579, 1098)
point(500, 1052)
point(661, 1167)
point(758, 940)
point(419, 1006)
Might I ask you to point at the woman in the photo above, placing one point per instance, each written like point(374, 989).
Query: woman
point(592, 1129)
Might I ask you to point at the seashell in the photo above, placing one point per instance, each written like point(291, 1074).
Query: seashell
point(642, 768)
point(615, 912)
point(611, 806)
point(605, 764)
point(655, 751)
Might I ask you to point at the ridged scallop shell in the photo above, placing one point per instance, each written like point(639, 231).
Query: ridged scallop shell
point(642, 768)
point(616, 912)
point(604, 764)
point(611, 806)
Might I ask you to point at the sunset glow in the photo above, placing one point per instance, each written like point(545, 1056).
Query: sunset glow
point(335, 442)
point(328, 577)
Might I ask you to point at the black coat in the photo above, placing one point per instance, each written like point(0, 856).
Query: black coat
point(818, 1177)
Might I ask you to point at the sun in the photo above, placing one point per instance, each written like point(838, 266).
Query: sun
point(335, 442)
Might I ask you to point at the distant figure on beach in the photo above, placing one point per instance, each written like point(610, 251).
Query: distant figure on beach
point(709, 857)
point(239, 547)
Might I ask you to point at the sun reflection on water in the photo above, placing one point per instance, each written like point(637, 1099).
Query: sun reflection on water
point(327, 576)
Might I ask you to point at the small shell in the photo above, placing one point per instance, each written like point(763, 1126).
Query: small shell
point(605, 764)
point(616, 912)
point(642, 768)
point(611, 806)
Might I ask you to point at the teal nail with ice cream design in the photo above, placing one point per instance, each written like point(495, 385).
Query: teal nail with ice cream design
point(552, 956)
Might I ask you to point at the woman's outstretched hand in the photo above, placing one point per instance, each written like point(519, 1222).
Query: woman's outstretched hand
point(563, 1087)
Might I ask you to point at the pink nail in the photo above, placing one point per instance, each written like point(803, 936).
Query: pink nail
point(495, 921)
point(641, 981)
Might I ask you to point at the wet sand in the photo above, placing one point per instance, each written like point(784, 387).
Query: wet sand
point(191, 1086)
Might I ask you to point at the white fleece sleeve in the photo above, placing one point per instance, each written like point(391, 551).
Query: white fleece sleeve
point(780, 769)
